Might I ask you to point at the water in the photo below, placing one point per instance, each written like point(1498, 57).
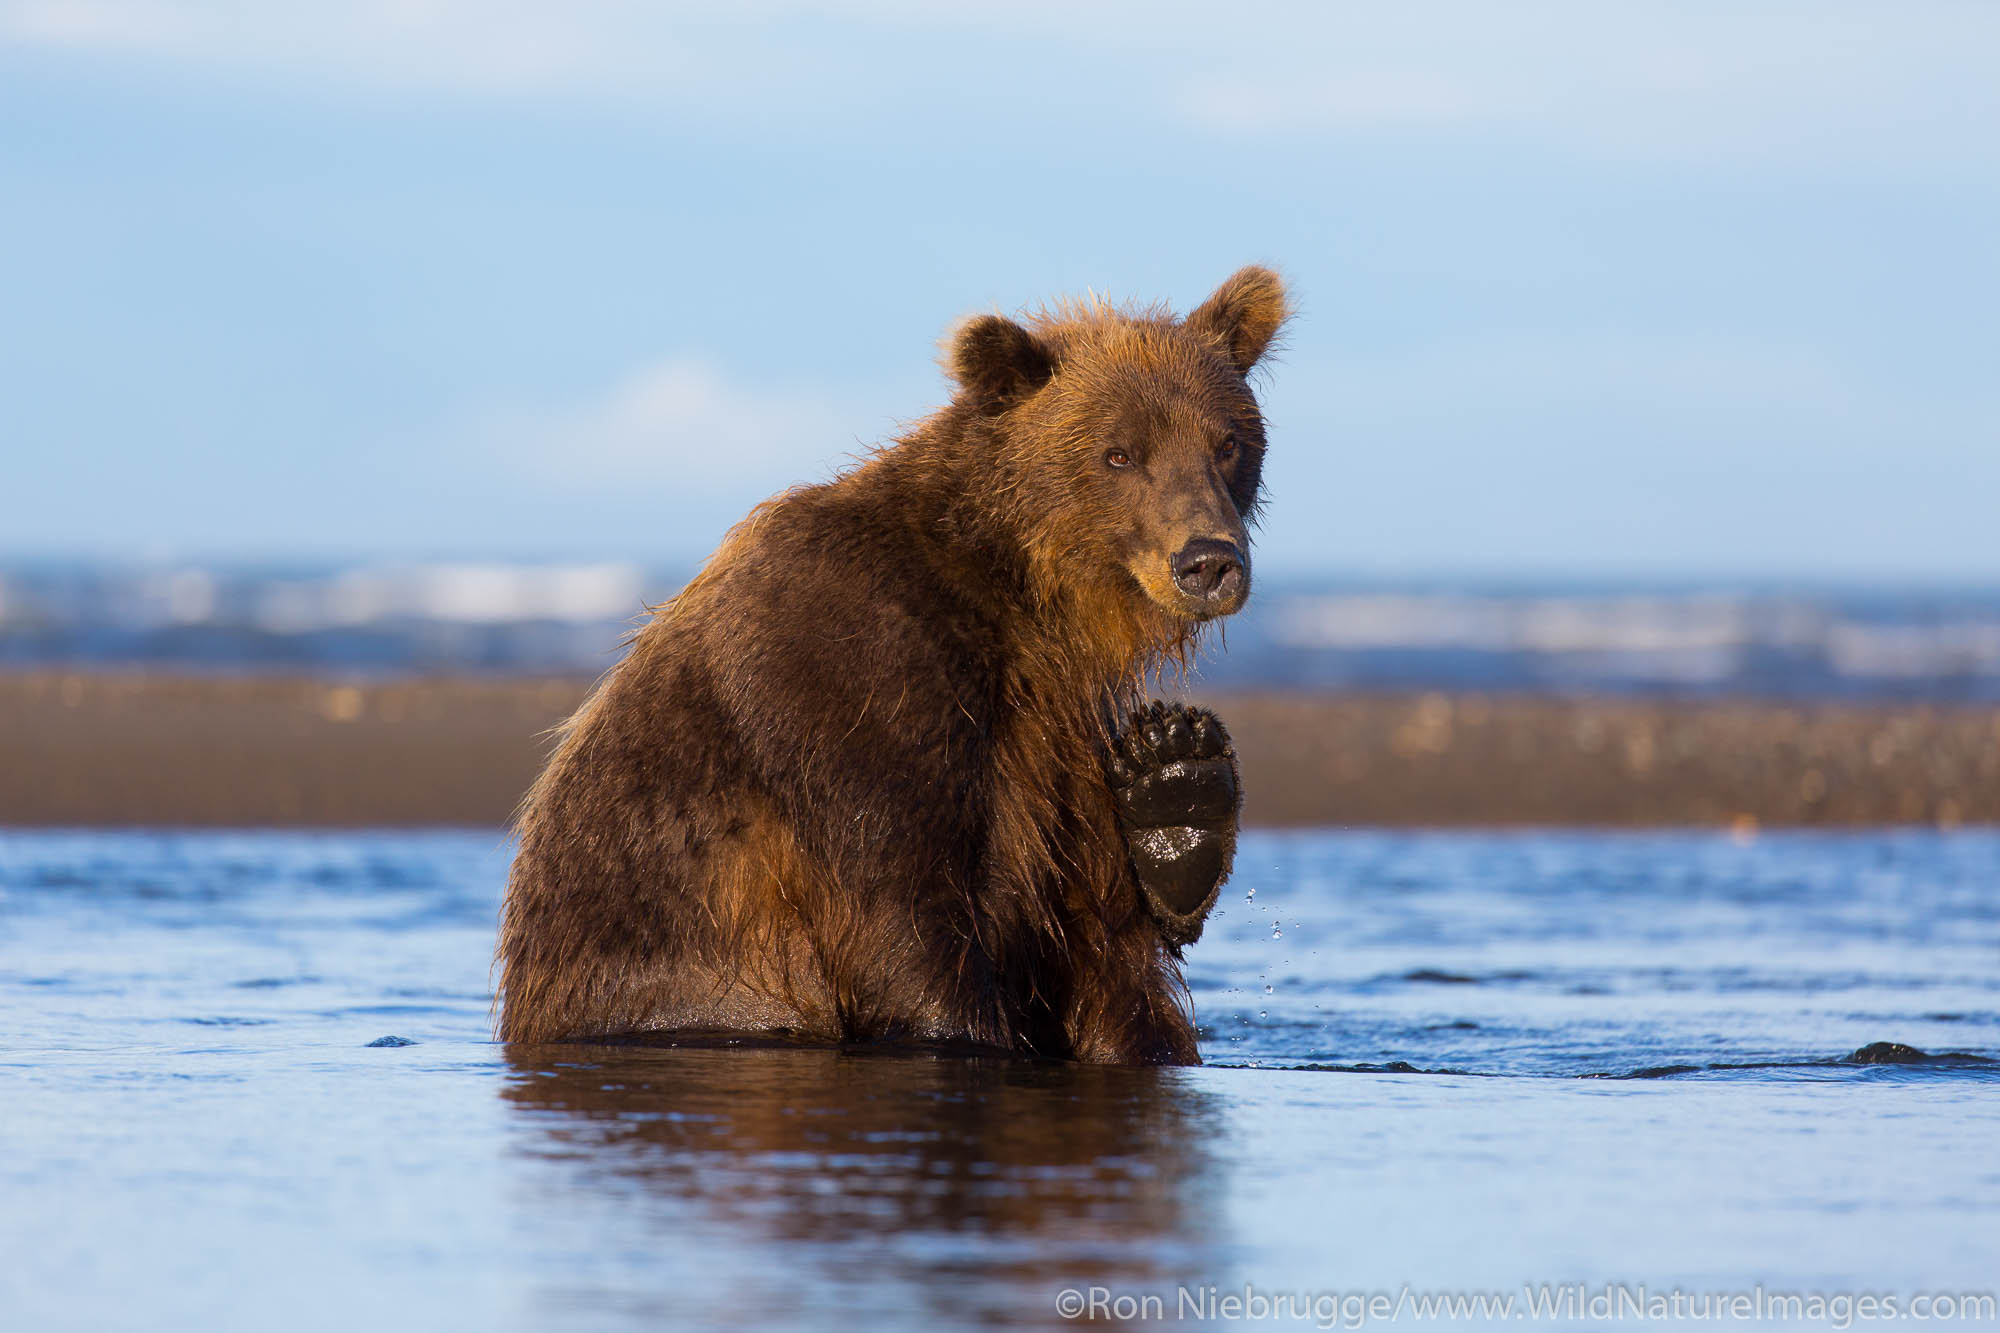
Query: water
point(1645, 1035)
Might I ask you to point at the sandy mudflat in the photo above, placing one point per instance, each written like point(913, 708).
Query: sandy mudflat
point(1433, 759)
point(133, 749)
point(212, 751)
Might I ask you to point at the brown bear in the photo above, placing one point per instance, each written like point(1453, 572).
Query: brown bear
point(880, 772)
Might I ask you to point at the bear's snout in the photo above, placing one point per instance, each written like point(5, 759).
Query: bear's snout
point(1213, 573)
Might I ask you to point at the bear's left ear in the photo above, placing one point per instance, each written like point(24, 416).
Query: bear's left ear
point(997, 362)
point(1243, 315)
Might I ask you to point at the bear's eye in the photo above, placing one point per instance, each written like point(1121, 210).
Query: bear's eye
point(1117, 458)
point(1227, 449)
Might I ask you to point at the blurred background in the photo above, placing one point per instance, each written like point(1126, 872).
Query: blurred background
point(1636, 451)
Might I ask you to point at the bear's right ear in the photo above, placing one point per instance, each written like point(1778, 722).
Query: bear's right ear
point(997, 362)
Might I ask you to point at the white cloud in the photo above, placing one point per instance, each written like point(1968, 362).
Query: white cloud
point(1711, 80)
point(505, 46)
point(681, 422)
point(652, 50)
point(1751, 78)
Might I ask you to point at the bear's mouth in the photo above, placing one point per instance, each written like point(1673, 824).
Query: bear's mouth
point(1205, 609)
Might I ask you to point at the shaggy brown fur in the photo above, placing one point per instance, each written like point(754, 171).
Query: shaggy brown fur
point(849, 784)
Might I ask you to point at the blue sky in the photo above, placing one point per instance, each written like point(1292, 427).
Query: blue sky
point(1664, 290)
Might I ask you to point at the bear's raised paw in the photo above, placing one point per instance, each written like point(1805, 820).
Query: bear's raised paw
point(1174, 782)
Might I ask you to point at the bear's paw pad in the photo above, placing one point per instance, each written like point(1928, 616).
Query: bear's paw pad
point(1173, 780)
point(1173, 766)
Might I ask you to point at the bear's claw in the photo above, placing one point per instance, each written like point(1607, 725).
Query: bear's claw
point(1174, 781)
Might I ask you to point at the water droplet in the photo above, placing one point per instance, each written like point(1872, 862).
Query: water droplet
point(1277, 934)
point(1250, 894)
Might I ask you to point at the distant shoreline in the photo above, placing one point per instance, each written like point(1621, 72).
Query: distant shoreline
point(119, 749)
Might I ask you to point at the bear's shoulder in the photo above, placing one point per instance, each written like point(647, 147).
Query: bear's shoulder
point(823, 600)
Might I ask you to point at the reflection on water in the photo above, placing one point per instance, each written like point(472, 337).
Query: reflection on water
point(894, 1179)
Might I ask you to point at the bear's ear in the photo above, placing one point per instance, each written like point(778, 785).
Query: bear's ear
point(1243, 315)
point(997, 362)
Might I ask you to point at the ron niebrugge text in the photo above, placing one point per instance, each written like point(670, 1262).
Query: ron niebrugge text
point(1541, 1301)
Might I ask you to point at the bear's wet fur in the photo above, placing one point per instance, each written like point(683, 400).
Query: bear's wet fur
point(850, 784)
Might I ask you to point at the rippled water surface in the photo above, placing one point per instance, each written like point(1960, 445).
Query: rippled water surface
point(1452, 1062)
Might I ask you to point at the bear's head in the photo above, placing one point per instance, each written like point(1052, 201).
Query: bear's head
point(1129, 445)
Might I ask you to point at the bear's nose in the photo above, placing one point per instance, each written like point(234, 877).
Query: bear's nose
point(1210, 569)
